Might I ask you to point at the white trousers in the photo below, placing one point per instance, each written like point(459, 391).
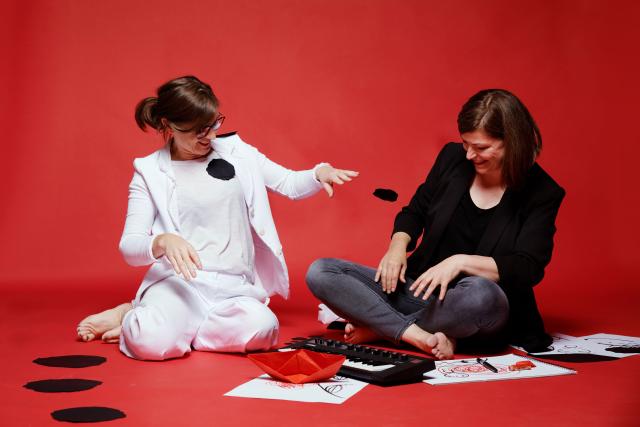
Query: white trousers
point(213, 312)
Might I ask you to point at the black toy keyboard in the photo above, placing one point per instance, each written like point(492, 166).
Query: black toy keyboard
point(369, 364)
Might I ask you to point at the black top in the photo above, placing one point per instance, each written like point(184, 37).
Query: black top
point(519, 234)
point(462, 235)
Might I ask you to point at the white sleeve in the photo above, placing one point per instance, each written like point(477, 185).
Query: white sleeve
point(293, 184)
point(137, 238)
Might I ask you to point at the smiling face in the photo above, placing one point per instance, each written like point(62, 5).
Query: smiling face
point(486, 153)
point(189, 143)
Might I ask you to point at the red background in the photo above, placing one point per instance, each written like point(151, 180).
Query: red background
point(370, 85)
point(365, 84)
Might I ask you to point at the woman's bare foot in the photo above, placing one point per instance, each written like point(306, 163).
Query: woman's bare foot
point(359, 334)
point(442, 346)
point(105, 325)
point(112, 336)
point(438, 344)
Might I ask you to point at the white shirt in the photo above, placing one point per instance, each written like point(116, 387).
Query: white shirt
point(153, 209)
point(214, 217)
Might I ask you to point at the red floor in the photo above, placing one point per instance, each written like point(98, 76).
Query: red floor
point(190, 391)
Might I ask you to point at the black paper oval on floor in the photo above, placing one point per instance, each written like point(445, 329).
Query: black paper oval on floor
point(87, 414)
point(624, 349)
point(575, 357)
point(221, 169)
point(71, 361)
point(67, 385)
point(386, 194)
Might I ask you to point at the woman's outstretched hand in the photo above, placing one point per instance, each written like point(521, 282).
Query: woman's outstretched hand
point(328, 175)
point(179, 252)
point(440, 274)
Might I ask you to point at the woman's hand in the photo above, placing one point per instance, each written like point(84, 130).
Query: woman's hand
point(328, 175)
point(439, 275)
point(394, 263)
point(392, 267)
point(179, 252)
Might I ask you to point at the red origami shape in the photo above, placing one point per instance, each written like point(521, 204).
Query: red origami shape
point(298, 366)
point(522, 365)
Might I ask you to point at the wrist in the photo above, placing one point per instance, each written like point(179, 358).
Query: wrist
point(461, 262)
point(400, 241)
point(316, 170)
point(157, 246)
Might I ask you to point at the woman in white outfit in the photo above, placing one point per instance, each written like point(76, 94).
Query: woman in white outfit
point(199, 215)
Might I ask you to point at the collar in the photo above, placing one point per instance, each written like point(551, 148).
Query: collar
point(226, 144)
point(164, 161)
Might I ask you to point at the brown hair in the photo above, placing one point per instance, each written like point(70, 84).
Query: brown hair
point(501, 115)
point(185, 100)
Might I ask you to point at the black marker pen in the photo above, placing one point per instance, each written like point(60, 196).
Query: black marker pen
point(487, 365)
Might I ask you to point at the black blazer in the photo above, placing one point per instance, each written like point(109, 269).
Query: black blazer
point(519, 236)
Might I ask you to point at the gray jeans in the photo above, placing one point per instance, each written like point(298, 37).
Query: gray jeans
point(472, 307)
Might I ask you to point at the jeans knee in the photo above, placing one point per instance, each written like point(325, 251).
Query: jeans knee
point(487, 299)
point(316, 274)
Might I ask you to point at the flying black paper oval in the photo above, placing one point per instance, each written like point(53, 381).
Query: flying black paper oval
point(87, 414)
point(70, 361)
point(386, 194)
point(224, 135)
point(221, 169)
point(67, 385)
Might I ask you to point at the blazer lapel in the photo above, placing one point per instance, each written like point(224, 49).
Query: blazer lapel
point(228, 150)
point(450, 200)
point(164, 162)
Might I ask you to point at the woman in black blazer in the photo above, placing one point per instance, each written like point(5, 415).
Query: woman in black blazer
point(486, 214)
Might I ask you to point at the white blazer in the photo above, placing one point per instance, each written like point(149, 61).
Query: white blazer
point(153, 209)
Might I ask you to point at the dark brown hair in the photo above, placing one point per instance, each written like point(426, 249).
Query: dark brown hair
point(501, 115)
point(184, 101)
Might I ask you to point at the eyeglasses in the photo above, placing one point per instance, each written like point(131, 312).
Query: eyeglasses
point(203, 131)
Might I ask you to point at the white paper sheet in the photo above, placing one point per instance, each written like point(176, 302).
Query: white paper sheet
point(469, 370)
point(561, 344)
point(610, 345)
point(326, 316)
point(595, 344)
point(336, 390)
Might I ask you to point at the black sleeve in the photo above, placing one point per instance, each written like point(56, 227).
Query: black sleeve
point(534, 244)
point(411, 219)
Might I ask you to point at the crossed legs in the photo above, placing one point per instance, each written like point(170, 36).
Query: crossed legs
point(474, 306)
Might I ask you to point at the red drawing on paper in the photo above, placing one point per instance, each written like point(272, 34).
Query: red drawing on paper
point(463, 369)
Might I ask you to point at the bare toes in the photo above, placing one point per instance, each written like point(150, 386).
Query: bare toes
point(86, 336)
point(432, 341)
point(112, 335)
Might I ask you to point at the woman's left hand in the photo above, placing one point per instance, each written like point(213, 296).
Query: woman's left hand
point(439, 275)
point(328, 175)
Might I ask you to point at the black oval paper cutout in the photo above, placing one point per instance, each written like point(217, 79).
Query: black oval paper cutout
point(87, 414)
point(575, 357)
point(221, 169)
point(68, 385)
point(71, 361)
point(623, 349)
point(386, 194)
point(224, 135)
